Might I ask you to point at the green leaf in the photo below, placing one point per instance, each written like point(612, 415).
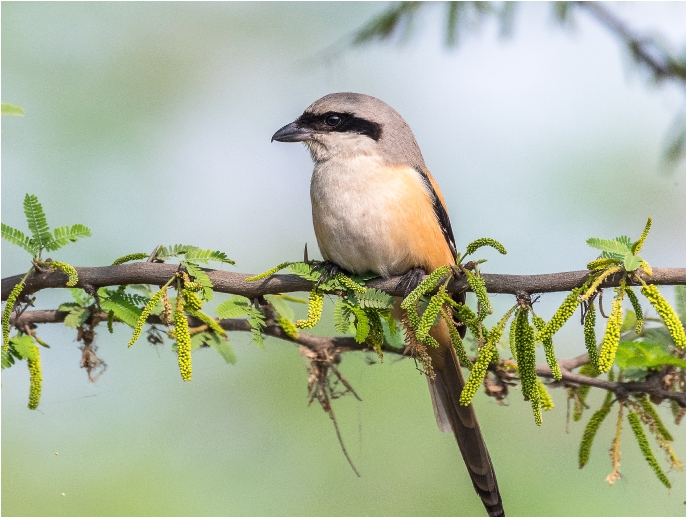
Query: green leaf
point(680, 293)
point(341, 317)
point(204, 256)
point(11, 109)
point(632, 262)
point(24, 346)
point(305, 271)
point(200, 276)
point(17, 237)
point(629, 320)
point(372, 299)
point(281, 306)
point(614, 246)
point(9, 356)
point(65, 235)
point(233, 308)
point(223, 347)
point(38, 224)
point(362, 325)
point(76, 317)
point(644, 355)
point(123, 306)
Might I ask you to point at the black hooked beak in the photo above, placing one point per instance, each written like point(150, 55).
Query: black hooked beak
point(292, 133)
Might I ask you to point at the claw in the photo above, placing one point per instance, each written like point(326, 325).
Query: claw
point(329, 270)
point(410, 280)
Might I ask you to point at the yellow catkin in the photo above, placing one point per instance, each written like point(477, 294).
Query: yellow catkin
point(485, 241)
point(549, 349)
point(36, 379)
point(350, 283)
point(478, 286)
point(476, 376)
point(602, 263)
point(599, 280)
point(144, 315)
point(192, 300)
point(456, 340)
point(130, 257)
point(642, 440)
point(610, 343)
point(546, 400)
point(639, 243)
point(513, 335)
point(563, 313)
point(589, 335)
point(272, 271)
point(428, 284)
point(7, 312)
point(666, 312)
point(72, 275)
point(431, 312)
point(288, 327)
point(637, 309)
point(314, 310)
point(592, 429)
point(183, 341)
point(526, 363)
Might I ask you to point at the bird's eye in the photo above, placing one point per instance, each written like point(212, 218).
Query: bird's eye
point(333, 120)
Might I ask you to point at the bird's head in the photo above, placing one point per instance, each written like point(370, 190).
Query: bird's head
point(353, 124)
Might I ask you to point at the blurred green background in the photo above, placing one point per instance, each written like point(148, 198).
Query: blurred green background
point(150, 123)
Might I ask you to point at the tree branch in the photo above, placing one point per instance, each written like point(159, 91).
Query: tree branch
point(225, 282)
point(330, 346)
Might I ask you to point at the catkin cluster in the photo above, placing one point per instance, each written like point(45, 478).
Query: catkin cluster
point(314, 310)
point(610, 343)
point(72, 275)
point(526, 362)
point(431, 312)
point(642, 440)
point(192, 300)
point(549, 349)
point(183, 341)
point(350, 283)
point(664, 309)
point(478, 286)
point(36, 380)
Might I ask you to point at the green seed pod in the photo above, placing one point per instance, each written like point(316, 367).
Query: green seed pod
point(642, 440)
point(476, 376)
point(350, 283)
point(478, 286)
point(485, 241)
point(637, 309)
point(130, 257)
point(563, 313)
point(610, 343)
point(314, 310)
point(456, 339)
point(272, 271)
point(602, 263)
point(592, 429)
point(639, 243)
point(549, 349)
point(183, 341)
point(7, 312)
point(546, 400)
point(433, 309)
point(146, 313)
point(36, 379)
point(72, 275)
point(666, 312)
point(589, 335)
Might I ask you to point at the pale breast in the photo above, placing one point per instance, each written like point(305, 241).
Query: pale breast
point(371, 217)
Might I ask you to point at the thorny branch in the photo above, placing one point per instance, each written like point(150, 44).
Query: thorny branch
point(91, 278)
point(332, 347)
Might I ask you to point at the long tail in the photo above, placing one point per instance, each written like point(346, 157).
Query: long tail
point(461, 420)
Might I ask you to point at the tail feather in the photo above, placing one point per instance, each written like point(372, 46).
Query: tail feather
point(461, 420)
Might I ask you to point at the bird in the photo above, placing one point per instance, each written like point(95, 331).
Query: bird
point(377, 209)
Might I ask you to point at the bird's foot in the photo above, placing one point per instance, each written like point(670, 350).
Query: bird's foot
point(328, 270)
point(410, 280)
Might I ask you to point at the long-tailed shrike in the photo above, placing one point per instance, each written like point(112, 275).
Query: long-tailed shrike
point(376, 208)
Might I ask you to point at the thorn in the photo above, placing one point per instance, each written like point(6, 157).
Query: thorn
point(152, 256)
point(305, 257)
